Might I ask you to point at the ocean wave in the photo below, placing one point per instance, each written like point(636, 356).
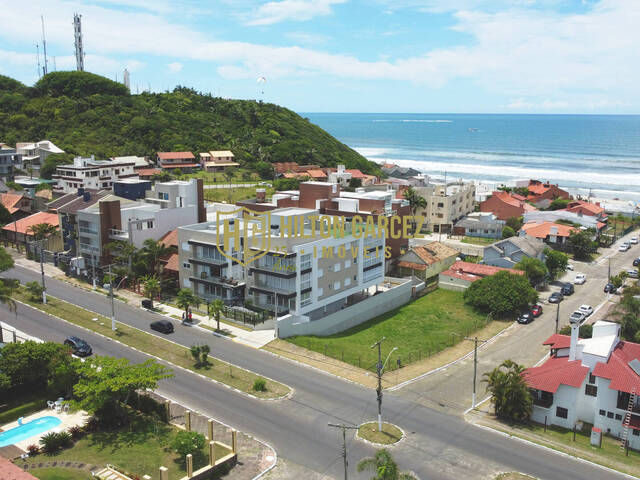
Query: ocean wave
point(408, 120)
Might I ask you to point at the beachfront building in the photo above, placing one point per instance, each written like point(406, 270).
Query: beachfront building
point(593, 380)
point(34, 154)
point(217, 160)
point(555, 234)
point(505, 205)
point(585, 221)
point(10, 159)
point(185, 161)
point(588, 209)
point(446, 204)
point(541, 194)
point(508, 252)
point(461, 275)
point(89, 173)
point(426, 261)
point(479, 224)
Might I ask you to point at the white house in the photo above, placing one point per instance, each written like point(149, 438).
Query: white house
point(594, 380)
point(91, 173)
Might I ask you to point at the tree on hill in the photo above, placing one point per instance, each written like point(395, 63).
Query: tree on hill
point(627, 314)
point(503, 293)
point(535, 270)
point(510, 394)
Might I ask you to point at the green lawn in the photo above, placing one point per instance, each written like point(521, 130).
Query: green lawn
point(233, 195)
point(141, 448)
point(13, 407)
point(479, 240)
point(420, 328)
point(216, 369)
point(56, 473)
point(240, 175)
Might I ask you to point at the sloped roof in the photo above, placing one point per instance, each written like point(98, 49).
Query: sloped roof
point(316, 174)
point(477, 270)
point(10, 201)
point(428, 254)
point(558, 341)
point(543, 230)
point(72, 203)
point(618, 370)
point(174, 155)
point(170, 239)
point(148, 172)
point(10, 471)
point(355, 173)
point(221, 153)
point(22, 225)
point(172, 263)
point(554, 372)
point(579, 205)
point(530, 246)
point(45, 193)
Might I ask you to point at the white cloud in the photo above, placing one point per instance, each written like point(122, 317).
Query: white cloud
point(307, 38)
point(291, 10)
point(174, 67)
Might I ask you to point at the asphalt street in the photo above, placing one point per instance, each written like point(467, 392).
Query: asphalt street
point(437, 445)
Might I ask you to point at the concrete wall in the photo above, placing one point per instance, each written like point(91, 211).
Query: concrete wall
point(291, 325)
point(452, 283)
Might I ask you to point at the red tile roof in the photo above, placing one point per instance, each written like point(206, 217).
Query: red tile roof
point(170, 239)
point(22, 226)
point(179, 165)
point(558, 341)
point(282, 167)
point(10, 201)
point(412, 265)
point(554, 372)
point(355, 173)
point(617, 369)
point(543, 230)
point(316, 174)
point(10, 471)
point(172, 263)
point(481, 270)
point(174, 155)
point(148, 172)
point(585, 207)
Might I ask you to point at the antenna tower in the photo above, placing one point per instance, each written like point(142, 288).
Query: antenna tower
point(45, 68)
point(38, 58)
point(126, 79)
point(77, 33)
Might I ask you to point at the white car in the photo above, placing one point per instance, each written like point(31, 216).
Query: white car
point(624, 247)
point(632, 273)
point(569, 267)
point(633, 240)
point(577, 316)
point(580, 279)
point(586, 310)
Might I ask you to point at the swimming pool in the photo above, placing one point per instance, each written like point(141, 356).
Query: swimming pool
point(28, 430)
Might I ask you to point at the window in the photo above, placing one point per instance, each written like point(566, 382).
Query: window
point(562, 412)
point(347, 263)
point(602, 412)
point(305, 261)
point(592, 378)
point(337, 285)
point(305, 299)
point(609, 414)
point(591, 390)
point(636, 432)
point(320, 292)
point(186, 265)
point(347, 282)
point(618, 416)
point(336, 267)
point(305, 281)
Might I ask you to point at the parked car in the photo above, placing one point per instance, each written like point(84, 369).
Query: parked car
point(556, 297)
point(164, 326)
point(536, 310)
point(624, 247)
point(567, 289)
point(586, 310)
point(633, 240)
point(524, 318)
point(577, 316)
point(264, 184)
point(609, 288)
point(636, 262)
point(580, 279)
point(146, 303)
point(569, 267)
point(632, 273)
point(78, 346)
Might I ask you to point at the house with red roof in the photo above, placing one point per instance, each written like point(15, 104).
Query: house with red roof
point(426, 261)
point(20, 231)
point(541, 194)
point(461, 275)
point(11, 471)
point(185, 161)
point(17, 204)
point(505, 205)
point(587, 208)
point(549, 232)
point(593, 380)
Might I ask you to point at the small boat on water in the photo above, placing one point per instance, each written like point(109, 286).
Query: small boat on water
point(472, 129)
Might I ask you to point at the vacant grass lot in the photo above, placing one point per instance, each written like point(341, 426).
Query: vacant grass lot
point(232, 195)
point(421, 328)
point(141, 448)
point(216, 369)
point(479, 240)
point(56, 473)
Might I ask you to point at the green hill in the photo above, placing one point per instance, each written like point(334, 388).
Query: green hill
point(88, 114)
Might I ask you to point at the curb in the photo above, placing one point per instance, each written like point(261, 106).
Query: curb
point(380, 445)
point(173, 365)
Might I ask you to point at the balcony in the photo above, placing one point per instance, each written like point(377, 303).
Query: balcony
point(89, 248)
point(90, 231)
point(116, 234)
point(542, 399)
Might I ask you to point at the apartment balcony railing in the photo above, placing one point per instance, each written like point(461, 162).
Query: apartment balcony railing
point(88, 230)
point(89, 248)
point(116, 234)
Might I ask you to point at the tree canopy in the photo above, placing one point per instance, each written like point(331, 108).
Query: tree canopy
point(582, 244)
point(535, 270)
point(503, 293)
point(556, 262)
point(510, 395)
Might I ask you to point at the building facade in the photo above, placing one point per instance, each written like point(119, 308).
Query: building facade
point(91, 173)
point(185, 161)
point(479, 224)
point(508, 252)
point(10, 159)
point(446, 204)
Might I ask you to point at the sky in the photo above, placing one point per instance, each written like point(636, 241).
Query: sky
point(409, 56)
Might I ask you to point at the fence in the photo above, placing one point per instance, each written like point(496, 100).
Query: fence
point(10, 335)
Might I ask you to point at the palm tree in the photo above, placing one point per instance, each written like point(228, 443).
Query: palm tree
point(7, 287)
point(384, 467)
point(122, 251)
point(510, 394)
point(416, 202)
point(215, 309)
point(152, 252)
point(185, 299)
point(151, 287)
point(229, 172)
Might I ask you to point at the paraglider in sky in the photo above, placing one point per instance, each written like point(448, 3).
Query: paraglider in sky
point(261, 81)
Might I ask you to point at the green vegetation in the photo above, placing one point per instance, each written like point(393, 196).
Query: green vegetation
point(582, 245)
point(59, 473)
point(559, 203)
point(383, 467)
point(556, 262)
point(421, 328)
point(515, 223)
point(87, 114)
point(185, 443)
point(217, 369)
point(510, 394)
point(503, 293)
point(627, 313)
point(535, 270)
point(585, 331)
point(478, 240)
point(260, 385)
point(508, 232)
point(232, 195)
point(15, 406)
point(139, 448)
point(389, 435)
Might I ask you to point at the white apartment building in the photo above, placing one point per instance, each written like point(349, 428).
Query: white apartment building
point(34, 154)
point(446, 204)
point(594, 380)
point(304, 272)
point(91, 173)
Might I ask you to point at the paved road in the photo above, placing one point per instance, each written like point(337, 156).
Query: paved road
point(450, 390)
point(438, 446)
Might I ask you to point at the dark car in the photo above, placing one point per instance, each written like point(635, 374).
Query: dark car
point(164, 326)
point(78, 346)
point(556, 297)
point(609, 288)
point(636, 262)
point(536, 310)
point(567, 289)
point(146, 303)
point(525, 318)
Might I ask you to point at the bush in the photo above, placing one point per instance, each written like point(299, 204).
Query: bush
point(75, 432)
point(503, 293)
point(54, 441)
point(187, 442)
point(35, 289)
point(260, 385)
point(508, 232)
point(33, 450)
point(585, 331)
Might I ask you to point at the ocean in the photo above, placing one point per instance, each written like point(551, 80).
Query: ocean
point(582, 153)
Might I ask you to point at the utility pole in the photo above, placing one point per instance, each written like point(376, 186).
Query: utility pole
point(344, 443)
point(557, 316)
point(93, 265)
point(45, 69)
point(113, 312)
point(380, 369)
point(44, 290)
point(609, 272)
point(475, 367)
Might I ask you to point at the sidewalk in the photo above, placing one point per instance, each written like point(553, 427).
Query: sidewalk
point(255, 339)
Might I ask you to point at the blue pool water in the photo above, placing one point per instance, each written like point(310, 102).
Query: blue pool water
point(28, 430)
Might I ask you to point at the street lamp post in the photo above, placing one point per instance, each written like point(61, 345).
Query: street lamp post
point(380, 368)
point(557, 316)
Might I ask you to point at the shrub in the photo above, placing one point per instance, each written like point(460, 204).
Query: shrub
point(187, 442)
point(33, 450)
point(260, 385)
point(54, 441)
point(75, 432)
